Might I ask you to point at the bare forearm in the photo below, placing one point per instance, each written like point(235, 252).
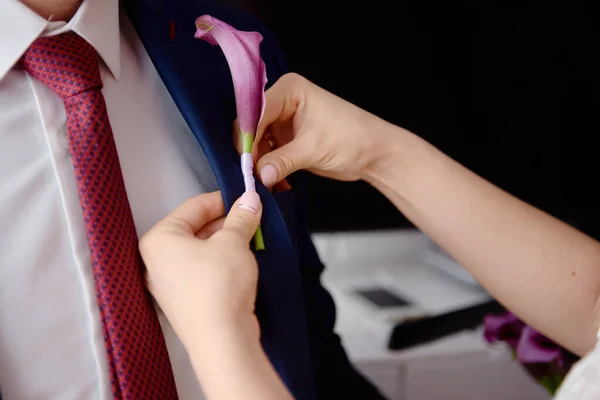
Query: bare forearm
point(542, 269)
point(231, 364)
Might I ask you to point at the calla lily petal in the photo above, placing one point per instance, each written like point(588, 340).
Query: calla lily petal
point(535, 348)
point(505, 328)
point(249, 75)
point(248, 71)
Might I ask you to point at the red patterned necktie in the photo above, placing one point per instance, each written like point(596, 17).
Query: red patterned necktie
point(137, 355)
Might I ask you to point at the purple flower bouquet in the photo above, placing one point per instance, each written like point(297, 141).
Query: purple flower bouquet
point(544, 360)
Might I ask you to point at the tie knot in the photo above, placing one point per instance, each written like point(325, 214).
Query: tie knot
point(65, 63)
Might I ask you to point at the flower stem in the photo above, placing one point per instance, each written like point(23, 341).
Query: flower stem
point(247, 143)
point(259, 241)
point(551, 383)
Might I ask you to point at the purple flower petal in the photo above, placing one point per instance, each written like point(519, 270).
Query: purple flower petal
point(535, 348)
point(249, 75)
point(248, 71)
point(504, 328)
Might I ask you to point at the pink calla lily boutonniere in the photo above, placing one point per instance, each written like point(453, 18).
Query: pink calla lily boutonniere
point(546, 361)
point(249, 75)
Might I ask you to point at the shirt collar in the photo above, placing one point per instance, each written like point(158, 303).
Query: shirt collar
point(97, 21)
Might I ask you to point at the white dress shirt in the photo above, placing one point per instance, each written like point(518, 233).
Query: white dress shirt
point(583, 380)
point(51, 342)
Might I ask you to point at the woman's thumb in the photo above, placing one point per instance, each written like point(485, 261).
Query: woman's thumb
point(244, 217)
point(276, 165)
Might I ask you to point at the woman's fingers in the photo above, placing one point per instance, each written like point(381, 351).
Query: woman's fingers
point(195, 212)
point(211, 228)
point(244, 217)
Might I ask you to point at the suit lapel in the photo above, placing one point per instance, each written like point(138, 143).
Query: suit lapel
point(195, 76)
point(198, 78)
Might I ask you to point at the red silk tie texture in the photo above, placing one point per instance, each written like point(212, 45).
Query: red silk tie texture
point(137, 355)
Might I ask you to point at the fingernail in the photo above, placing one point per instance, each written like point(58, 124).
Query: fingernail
point(268, 175)
point(250, 201)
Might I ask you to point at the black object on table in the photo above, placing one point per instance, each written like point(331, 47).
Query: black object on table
point(428, 329)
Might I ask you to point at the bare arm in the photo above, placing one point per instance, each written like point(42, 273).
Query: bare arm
point(232, 365)
point(543, 270)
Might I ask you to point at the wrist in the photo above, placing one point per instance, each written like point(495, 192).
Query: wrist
point(220, 333)
point(233, 365)
point(391, 154)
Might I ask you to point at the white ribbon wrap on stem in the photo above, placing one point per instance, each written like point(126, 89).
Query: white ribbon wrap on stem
point(248, 172)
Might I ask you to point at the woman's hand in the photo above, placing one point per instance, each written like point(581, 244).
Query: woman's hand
point(203, 275)
point(200, 268)
point(318, 131)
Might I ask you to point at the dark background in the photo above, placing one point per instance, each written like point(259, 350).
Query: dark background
point(508, 89)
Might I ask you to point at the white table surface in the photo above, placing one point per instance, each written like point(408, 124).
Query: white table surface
point(462, 366)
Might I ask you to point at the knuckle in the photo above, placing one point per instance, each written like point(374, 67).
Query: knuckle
point(294, 80)
point(287, 162)
point(244, 219)
point(223, 238)
point(292, 77)
point(148, 282)
point(146, 242)
point(190, 201)
point(166, 228)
